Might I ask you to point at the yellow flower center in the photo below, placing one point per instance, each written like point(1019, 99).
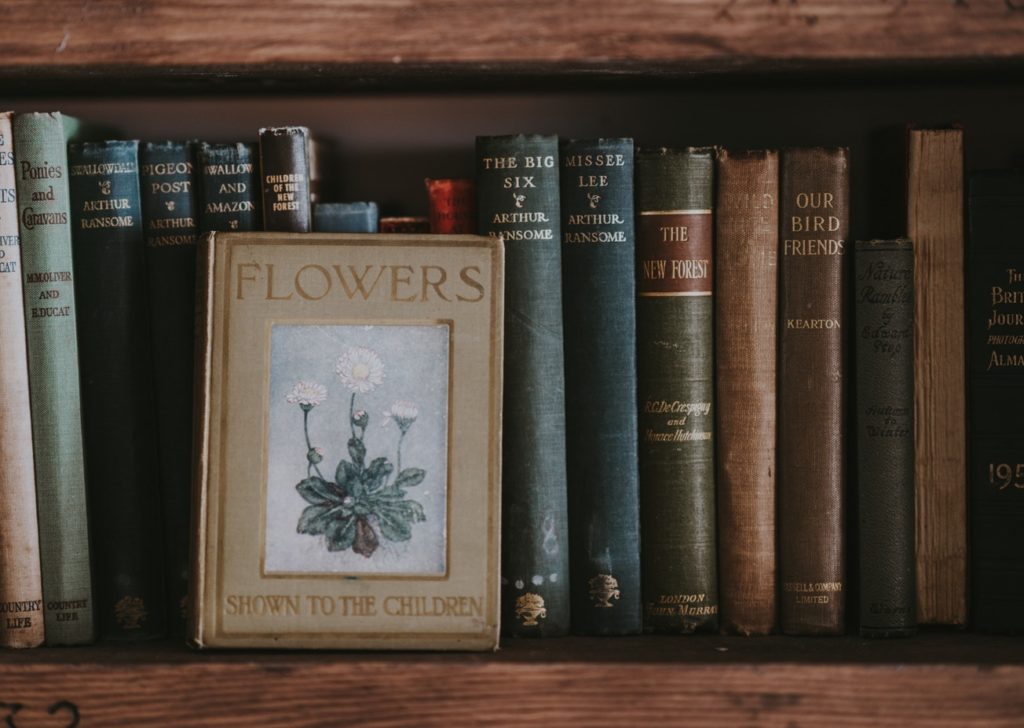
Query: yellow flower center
point(360, 371)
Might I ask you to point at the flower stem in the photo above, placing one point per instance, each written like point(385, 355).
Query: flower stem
point(351, 414)
point(398, 456)
point(309, 445)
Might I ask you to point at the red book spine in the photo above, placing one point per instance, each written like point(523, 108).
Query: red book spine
point(452, 206)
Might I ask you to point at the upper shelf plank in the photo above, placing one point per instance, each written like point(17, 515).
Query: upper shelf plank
point(345, 37)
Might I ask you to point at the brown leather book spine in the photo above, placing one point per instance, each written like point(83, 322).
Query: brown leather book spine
point(452, 206)
point(747, 243)
point(21, 587)
point(935, 222)
point(815, 219)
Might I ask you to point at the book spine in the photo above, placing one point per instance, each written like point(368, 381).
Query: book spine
point(167, 184)
point(746, 299)
point(884, 326)
point(812, 358)
point(21, 588)
point(935, 222)
point(995, 325)
point(599, 314)
point(51, 323)
point(517, 183)
point(345, 217)
point(404, 225)
point(229, 188)
point(117, 388)
point(452, 206)
point(284, 174)
point(675, 368)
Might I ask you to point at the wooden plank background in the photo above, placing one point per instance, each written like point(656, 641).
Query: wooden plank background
point(250, 36)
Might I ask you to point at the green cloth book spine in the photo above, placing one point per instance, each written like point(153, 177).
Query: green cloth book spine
point(517, 187)
point(44, 208)
point(21, 589)
point(599, 302)
point(675, 383)
point(118, 407)
point(169, 215)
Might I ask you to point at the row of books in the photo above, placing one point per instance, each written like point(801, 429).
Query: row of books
point(770, 358)
point(668, 299)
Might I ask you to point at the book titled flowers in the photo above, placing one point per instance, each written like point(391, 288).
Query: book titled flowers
point(375, 476)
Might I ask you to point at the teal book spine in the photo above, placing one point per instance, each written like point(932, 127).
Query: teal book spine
point(167, 181)
point(118, 403)
point(599, 295)
point(345, 217)
point(517, 187)
point(44, 209)
point(675, 385)
point(21, 590)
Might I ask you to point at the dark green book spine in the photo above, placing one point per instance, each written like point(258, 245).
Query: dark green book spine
point(884, 335)
point(117, 389)
point(517, 184)
point(345, 217)
point(675, 380)
point(167, 183)
point(40, 142)
point(228, 187)
point(995, 353)
point(599, 304)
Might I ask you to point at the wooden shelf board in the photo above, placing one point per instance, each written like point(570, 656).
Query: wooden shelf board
point(334, 38)
point(945, 679)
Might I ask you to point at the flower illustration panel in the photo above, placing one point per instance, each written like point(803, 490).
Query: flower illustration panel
point(357, 451)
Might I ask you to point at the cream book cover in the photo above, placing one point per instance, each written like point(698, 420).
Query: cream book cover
point(347, 487)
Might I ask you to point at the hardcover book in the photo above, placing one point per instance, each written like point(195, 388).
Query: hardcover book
point(452, 205)
point(517, 188)
point(995, 326)
point(815, 222)
point(51, 320)
point(348, 442)
point(118, 404)
point(404, 225)
point(599, 292)
point(21, 589)
point(285, 178)
point(167, 182)
point(675, 383)
point(345, 217)
point(746, 298)
point(935, 222)
point(884, 336)
point(229, 187)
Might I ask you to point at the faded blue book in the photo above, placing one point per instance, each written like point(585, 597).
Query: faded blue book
point(345, 217)
point(44, 209)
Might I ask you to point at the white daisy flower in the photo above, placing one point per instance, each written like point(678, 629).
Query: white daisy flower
point(307, 394)
point(360, 369)
point(403, 412)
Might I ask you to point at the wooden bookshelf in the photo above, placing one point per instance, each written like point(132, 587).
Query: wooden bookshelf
point(406, 85)
point(935, 680)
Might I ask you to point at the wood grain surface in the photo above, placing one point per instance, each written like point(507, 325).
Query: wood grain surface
point(933, 680)
point(248, 37)
point(935, 222)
